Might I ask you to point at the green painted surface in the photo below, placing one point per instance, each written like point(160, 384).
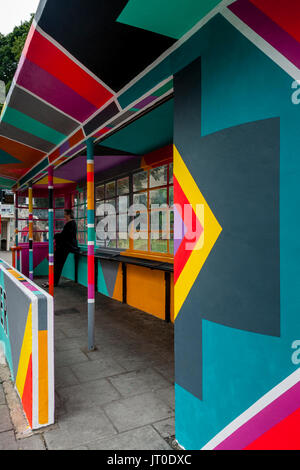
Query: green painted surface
point(152, 131)
point(7, 158)
point(6, 183)
point(171, 18)
point(69, 268)
point(101, 284)
point(82, 271)
point(27, 124)
point(42, 269)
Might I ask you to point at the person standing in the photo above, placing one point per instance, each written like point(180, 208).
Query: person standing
point(65, 243)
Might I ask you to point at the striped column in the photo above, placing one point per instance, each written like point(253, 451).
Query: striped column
point(91, 242)
point(30, 226)
point(17, 231)
point(51, 231)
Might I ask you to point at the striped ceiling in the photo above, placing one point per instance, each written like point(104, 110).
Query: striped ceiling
point(86, 72)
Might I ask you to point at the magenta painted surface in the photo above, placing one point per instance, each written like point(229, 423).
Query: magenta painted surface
point(265, 420)
point(49, 88)
point(267, 29)
point(40, 252)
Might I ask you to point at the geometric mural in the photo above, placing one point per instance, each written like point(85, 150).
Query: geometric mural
point(241, 228)
point(26, 332)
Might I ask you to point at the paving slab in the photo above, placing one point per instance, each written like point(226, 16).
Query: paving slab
point(137, 382)
point(145, 438)
point(90, 394)
point(165, 428)
point(5, 421)
point(79, 428)
point(31, 443)
point(93, 370)
point(137, 411)
point(8, 441)
point(2, 396)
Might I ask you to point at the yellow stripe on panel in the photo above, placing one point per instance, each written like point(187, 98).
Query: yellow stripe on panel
point(25, 354)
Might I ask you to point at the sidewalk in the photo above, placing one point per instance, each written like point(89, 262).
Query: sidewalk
point(118, 397)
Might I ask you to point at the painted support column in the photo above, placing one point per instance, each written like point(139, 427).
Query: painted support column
point(91, 242)
point(30, 226)
point(17, 231)
point(51, 231)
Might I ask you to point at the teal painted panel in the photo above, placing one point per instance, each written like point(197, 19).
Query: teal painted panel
point(69, 268)
point(82, 271)
point(6, 183)
point(6, 158)
point(42, 269)
point(101, 284)
point(152, 131)
point(26, 123)
point(171, 18)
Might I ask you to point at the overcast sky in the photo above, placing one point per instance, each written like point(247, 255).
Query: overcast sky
point(13, 12)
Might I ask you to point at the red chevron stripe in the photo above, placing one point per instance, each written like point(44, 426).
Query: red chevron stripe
point(27, 393)
point(183, 254)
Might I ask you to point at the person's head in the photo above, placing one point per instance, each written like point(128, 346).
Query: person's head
point(69, 215)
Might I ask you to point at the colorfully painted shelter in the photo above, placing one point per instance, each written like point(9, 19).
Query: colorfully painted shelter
point(109, 90)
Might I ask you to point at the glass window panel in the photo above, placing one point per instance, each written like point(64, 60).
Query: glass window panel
point(141, 245)
point(171, 174)
point(59, 214)
point(111, 202)
point(123, 186)
point(110, 189)
point(81, 237)
point(171, 196)
point(23, 213)
point(40, 203)
point(141, 198)
point(159, 246)
point(158, 196)
point(123, 204)
point(81, 198)
point(123, 244)
point(81, 211)
point(40, 225)
point(22, 201)
point(100, 193)
point(159, 176)
point(81, 225)
point(111, 241)
point(140, 181)
point(40, 214)
point(60, 202)
point(160, 219)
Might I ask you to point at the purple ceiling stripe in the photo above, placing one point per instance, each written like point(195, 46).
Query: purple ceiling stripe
point(268, 30)
point(265, 420)
point(145, 102)
point(64, 147)
point(50, 89)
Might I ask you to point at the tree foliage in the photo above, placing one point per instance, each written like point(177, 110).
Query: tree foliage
point(11, 47)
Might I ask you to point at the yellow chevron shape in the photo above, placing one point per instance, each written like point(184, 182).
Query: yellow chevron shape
point(44, 181)
point(25, 354)
point(212, 231)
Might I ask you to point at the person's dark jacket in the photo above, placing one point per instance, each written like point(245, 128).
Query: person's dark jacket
point(67, 239)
